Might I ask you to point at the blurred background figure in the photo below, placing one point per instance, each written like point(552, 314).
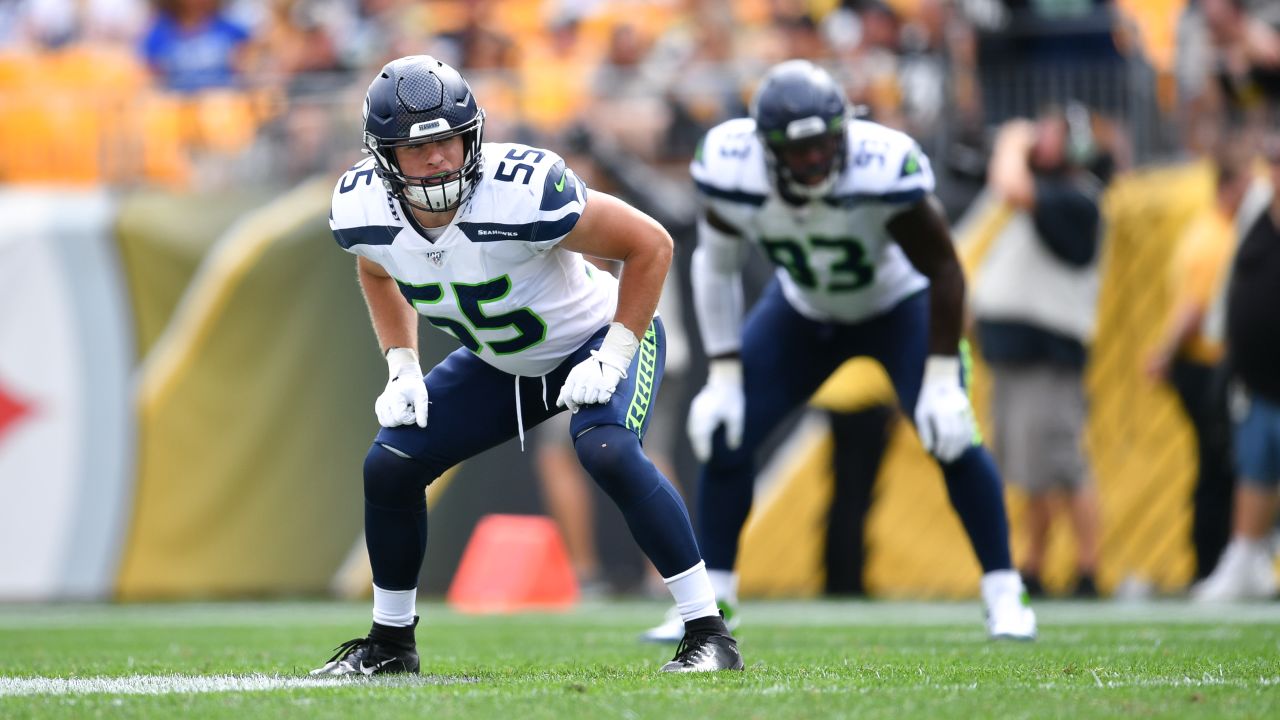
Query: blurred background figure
point(1246, 570)
point(1035, 299)
point(1189, 358)
point(192, 45)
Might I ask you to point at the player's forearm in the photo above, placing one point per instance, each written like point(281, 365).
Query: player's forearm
point(946, 309)
point(395, 323)
point(643, 272)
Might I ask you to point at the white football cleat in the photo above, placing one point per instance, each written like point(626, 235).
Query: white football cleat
point(1245, 572)
point(1009, 613)
point(671, 630)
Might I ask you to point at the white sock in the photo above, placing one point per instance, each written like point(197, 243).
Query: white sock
point(998, 583)
point(1257, 546)
point(394, 608)
point(725, 585)
point(692, 591)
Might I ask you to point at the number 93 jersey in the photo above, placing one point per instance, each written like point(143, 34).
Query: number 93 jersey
point(495, 277)
point(836, 260)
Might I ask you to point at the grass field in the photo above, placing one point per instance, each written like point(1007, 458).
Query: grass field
point(804, 660)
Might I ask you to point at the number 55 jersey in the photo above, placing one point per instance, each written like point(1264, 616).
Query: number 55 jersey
point(836, 260)
point(494, 277)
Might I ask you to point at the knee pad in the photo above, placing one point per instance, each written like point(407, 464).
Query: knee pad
point(393, 479)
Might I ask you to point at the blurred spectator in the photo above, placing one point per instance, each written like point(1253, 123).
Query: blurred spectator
point(292, 42)
point(191, 45)
point(55, 23)
point(478, 44)
point(1035, 297)
point(1192, 360)
point(555, 72)
point(870, 66)
point(625, 104)
point(697, 67)
point(1227, 64)
point(1246, 570)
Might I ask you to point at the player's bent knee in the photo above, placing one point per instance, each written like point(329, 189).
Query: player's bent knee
point(392, 478)
point(611, 455)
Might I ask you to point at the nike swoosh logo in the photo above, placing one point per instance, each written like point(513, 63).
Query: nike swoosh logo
point(371, 669)
point(560, 182)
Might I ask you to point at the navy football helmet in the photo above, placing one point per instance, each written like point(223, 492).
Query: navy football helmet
point(415, 100)
point(801, 114)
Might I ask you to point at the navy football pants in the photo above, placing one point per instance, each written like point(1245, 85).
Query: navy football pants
point(785, 358)
point(473, 408)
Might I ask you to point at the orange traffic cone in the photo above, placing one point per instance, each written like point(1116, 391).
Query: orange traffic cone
point(513, 562)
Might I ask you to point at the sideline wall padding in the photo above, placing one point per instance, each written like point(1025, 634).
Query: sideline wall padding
point(66, 424)
point(254, 415)
point(163, 238)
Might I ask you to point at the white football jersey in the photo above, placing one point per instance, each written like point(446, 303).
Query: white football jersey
point(496, 278)
point(835, 257)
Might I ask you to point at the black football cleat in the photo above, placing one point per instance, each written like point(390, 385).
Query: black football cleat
point(707, 646)
point(385, 651)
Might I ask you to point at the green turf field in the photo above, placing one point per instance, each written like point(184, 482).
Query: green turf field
point(804, 660)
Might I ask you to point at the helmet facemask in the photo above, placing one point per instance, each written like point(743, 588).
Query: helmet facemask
point(431, 193)
point(807, 156)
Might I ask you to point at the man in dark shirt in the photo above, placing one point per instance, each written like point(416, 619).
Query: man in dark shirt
point(1246, 570)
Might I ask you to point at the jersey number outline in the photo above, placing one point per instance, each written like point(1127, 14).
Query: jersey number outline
point(471, 298)
point(849, 272)
point(502, 173)
point(354, 177)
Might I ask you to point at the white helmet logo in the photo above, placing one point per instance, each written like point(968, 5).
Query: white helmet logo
point(430, 127)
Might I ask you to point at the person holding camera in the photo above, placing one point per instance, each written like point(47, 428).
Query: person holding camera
point(1035, 298)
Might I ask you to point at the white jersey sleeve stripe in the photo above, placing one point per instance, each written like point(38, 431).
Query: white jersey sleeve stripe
point(734, 196)
point(365, 235)
point(537, 231)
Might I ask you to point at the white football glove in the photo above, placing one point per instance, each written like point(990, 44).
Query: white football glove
point(404, 400)
point(720, 402)
point(944, 417)
point(593, 380)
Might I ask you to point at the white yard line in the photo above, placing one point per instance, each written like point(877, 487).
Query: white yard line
point(186, 684)
point(156, 684)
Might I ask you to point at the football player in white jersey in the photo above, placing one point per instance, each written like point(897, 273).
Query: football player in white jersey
point(486, 241)
point(844, 209)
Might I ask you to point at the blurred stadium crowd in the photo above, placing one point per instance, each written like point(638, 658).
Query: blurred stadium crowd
point(194, 93)
point(205, 95)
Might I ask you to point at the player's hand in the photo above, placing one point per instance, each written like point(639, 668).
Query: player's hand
point(404, 400)
point(593, 380)
point(944, 417)
point(720, 402)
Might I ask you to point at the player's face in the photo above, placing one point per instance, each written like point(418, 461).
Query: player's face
point(810, 161)
point(433, 160)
